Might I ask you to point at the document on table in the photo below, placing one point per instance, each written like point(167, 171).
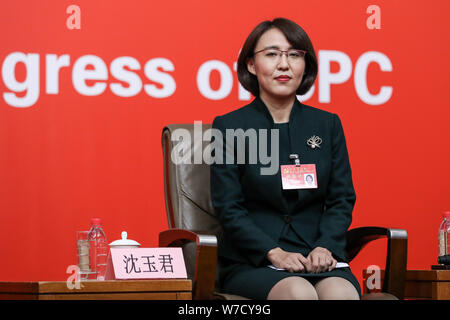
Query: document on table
point(338, 265)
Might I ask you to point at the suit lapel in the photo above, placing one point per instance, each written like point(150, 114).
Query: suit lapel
point(299, 128)
point(274, 186)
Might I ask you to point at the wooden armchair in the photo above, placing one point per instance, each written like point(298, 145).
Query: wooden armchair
point(194, 226)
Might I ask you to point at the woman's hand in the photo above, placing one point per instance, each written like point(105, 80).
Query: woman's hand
point(291, 261)
point(321, 260)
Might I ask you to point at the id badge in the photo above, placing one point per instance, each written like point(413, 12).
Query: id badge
point(299, 176)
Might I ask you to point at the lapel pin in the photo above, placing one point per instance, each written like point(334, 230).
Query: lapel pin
point(314, 141)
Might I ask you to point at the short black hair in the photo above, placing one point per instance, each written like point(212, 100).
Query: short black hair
point(295, 35)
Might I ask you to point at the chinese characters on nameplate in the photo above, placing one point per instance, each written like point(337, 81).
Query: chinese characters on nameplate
point(146, 263)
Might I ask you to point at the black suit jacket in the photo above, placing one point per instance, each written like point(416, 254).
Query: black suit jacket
point(250, 206)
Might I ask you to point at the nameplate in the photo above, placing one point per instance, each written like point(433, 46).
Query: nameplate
point(145, 263)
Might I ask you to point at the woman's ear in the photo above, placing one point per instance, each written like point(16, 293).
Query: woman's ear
point(251, 66)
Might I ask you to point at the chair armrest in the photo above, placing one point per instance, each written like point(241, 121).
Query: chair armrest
point(395, 274)
point(205, 258)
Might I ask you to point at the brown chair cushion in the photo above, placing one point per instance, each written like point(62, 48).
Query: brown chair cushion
point(378, 296)
point(226, 296)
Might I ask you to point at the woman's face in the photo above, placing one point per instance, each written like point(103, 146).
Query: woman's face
point(278, 78)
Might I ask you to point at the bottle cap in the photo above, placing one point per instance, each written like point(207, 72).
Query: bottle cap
point(96, 221)
point(447, 214)
point(124, 242)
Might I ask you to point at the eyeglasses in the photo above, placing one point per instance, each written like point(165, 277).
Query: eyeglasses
point(293, 55)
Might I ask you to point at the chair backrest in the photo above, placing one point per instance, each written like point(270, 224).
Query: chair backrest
point(186, 183)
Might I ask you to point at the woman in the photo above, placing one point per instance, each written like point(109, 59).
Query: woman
point(301, 231)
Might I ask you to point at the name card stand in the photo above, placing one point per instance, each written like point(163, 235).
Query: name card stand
point(145, 263)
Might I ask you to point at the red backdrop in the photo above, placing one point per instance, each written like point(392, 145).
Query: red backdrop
point(80, 133)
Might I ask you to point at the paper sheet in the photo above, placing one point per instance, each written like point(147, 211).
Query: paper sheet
point(338, 265)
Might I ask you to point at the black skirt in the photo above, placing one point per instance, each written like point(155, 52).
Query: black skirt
point(256, 282)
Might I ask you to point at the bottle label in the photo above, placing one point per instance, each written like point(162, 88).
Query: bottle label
point(442, 243)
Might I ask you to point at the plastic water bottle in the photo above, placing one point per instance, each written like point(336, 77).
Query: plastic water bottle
point(99, 248)
point(444, 230)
